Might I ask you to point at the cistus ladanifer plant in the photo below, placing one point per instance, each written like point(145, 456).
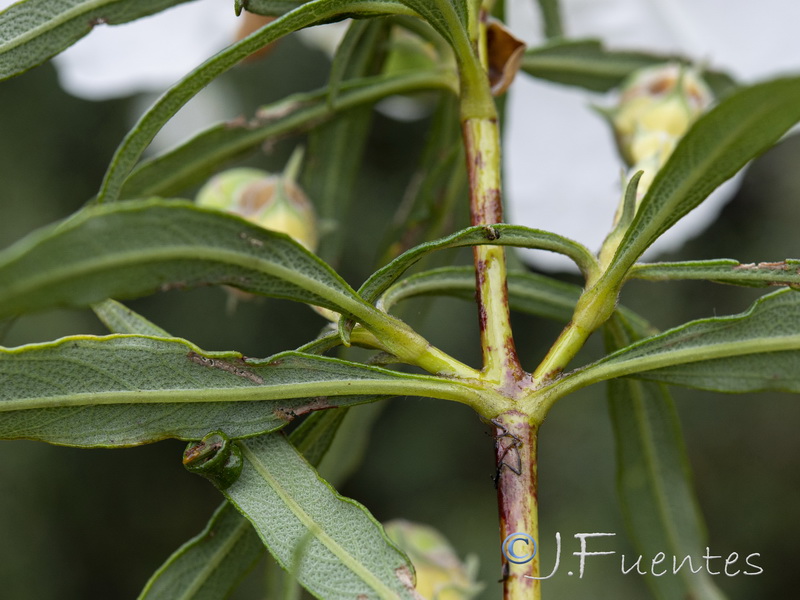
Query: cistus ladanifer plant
point(682, 130)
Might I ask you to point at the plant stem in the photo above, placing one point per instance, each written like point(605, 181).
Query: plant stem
point(482, 146)
point(517, 500)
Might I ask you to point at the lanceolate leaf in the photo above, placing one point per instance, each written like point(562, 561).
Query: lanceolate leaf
point(210, 565)
point(134, 248)
point(332, 544)
point(190, 163)
point(135, 143)
point(758, 350)
point(764, 274)
point(336, 149)
point(741, 127)
point(34, 30)
point(654, 482)
point(527, 293)
point(497, 235)
point(123, 390)
point(586, 64)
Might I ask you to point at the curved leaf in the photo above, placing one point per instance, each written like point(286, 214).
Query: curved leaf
point(496, 235)
point(527, 293)
point(123, 390)
point(211, 564)
point(193, 161)
point(587, 64)
point(654, 480)
point(719, 144)
point(34, 30)
point(137, 140)
point(332, 544)
point(758, 350)
point(764, 274)
point(134, 248)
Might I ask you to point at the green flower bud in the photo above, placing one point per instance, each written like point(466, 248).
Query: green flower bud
point(440, 573)
point(657, 106)
point(274, 202)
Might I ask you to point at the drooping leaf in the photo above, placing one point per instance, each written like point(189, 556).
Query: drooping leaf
point(196, 159)
point(34, 30)
point(497, 235)
point(305, 15)
point(764, 274)
point(654, 481)
point(134, 248)
point(719, 144)
point(332, 544)
point(587, 64)
point(758, 350)
point(211, 564)
point(123, 390)
point(529, 293)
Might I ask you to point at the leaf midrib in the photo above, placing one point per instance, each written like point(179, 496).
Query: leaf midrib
point(316, 529)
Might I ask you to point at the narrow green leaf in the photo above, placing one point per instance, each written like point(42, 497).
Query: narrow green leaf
point(269, 8)
point(528, 293)
point(210, 565)
point(336, 149)
point(134, 248)
point(587, 64)
point(497, 235)
point(432, 200)
point(123, 390)
point(199, 157)
point(551, 16)
point(332, 544)
point(121, 319)
point(137, 140)
point(654, 482)
point(758, 350)
point(719, 144)
point(34, 30)
point(765, 274)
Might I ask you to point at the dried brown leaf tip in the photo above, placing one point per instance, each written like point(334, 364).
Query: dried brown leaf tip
point(505, 56)
point(251, 22)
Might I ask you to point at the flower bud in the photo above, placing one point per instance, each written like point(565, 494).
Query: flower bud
point(657, 106)
point(274, 202)
point(440, 574)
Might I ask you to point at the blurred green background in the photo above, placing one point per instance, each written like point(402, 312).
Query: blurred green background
point(77, 524)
